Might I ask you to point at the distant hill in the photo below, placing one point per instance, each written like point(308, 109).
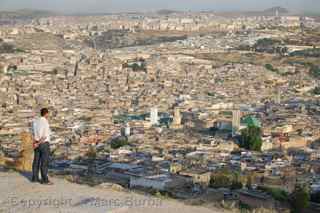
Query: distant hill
point(26, 14)
point(273, 10)
point(316, 15)
point(167, 12)
point(268, 12)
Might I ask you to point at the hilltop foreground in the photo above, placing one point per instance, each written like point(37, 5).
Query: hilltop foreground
point(17, 194)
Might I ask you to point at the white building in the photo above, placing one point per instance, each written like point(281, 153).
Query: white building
point(154, 119)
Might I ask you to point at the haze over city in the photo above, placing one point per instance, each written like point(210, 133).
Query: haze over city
point(92, 6)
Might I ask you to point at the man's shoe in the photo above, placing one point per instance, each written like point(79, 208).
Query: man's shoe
point(47, 183)
point(35, 181)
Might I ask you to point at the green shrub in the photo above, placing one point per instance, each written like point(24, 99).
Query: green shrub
point(271, 68)
point(119, 142)
point(316, 90)
point(315, 71)
point(299, 199)
point(276, 193)
point(19, 50)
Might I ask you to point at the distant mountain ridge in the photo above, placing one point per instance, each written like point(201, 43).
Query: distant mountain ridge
point(33, 13)
point(273, 10)
point(267, 12)
point(26, 14)
point(167, 12)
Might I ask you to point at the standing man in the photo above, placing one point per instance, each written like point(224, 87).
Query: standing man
point(41, 139)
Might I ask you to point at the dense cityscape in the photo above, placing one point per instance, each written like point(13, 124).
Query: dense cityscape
point(220, 110)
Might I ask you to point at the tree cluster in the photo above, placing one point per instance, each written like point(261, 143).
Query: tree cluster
point(226, 179)
point(299, 199)
point(251, 138)
point(268, 45)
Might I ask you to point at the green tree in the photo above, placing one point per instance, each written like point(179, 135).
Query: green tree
point(91, 154)
point(277, 193)
point(315, 71)
point(299, 199)
point(316, 90)
point(251, 138)
point(267, 45)
point(119, 142)
point(249, 182)
point(236, 182)
point(236, 185)
point(222, 178)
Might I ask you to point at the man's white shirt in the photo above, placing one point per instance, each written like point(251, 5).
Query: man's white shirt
point(41, 129)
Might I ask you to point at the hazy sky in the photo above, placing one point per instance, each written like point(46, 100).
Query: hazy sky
point(147, 5)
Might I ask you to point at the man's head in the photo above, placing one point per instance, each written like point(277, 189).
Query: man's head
point(44, 112)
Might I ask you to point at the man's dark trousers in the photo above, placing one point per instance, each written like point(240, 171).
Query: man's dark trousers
point(41, 161)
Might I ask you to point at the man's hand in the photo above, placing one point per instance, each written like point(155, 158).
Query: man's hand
point(36, 144)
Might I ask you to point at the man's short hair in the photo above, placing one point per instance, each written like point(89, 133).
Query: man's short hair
point(44, 111)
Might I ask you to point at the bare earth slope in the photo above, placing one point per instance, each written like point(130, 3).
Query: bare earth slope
point(17, 194)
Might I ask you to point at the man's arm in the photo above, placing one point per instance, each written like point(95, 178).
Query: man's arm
point(47, 132)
